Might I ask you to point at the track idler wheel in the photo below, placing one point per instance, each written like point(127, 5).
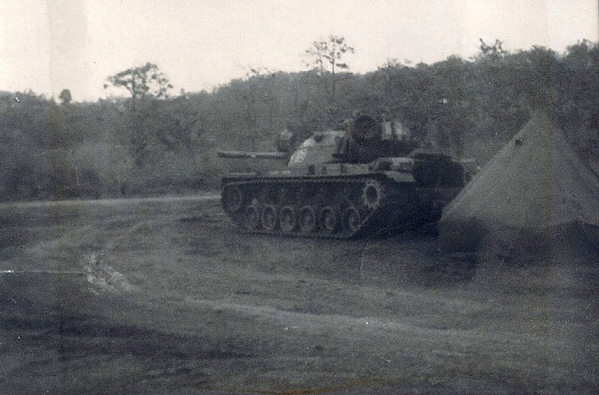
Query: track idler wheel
point(328, 220)
point(269, 218)
point(232, 199)
point(251, 218)
point(308, 220)
point(287, 219)
point(352, 220)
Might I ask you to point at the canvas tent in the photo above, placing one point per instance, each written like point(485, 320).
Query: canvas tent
point(533, 189)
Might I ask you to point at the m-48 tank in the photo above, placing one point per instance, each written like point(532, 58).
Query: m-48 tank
point(343, 184)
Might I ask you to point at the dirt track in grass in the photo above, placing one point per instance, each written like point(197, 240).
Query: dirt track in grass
point(163, 296)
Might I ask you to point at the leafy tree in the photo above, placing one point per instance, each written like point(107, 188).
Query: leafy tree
point(492, 52)
point(65, 96)
point(142, 81)
point(141, 130)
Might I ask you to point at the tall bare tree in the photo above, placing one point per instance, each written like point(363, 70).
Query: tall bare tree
point(326, 55)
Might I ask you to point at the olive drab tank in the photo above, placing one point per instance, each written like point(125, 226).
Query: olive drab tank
point(343, 184)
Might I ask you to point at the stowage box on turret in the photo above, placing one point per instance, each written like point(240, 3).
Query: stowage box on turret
point(343, 184)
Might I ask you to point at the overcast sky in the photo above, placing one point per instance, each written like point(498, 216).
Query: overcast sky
point(50, 45)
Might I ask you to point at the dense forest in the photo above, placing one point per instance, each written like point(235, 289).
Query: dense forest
point(151, 143)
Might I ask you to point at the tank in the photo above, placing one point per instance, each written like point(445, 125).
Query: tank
point(367, 178)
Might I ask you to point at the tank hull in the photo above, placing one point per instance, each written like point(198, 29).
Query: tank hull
point(337, 207)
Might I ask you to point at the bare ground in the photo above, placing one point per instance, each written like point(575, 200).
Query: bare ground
point(163, 296)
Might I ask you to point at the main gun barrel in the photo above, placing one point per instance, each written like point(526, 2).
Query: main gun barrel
point(253, 155)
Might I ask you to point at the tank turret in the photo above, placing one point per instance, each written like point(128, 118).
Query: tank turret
point(341, 183)
point(363, 140)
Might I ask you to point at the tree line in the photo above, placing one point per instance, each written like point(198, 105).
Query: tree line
point(152, 143)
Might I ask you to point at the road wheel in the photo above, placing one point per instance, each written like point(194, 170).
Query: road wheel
point(232, 199)
point(287, 219)
point(352, 219)
point(269, 217)
point(252, 217)
point(308, 220)
point(328, 220)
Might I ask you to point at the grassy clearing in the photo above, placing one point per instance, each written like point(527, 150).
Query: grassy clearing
point(165, 297)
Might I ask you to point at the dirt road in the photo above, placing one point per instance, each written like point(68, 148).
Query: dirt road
point(163, 296)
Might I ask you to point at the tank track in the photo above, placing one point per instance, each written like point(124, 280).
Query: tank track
point(323, 207)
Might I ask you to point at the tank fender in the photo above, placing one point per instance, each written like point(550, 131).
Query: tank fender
point(398, 176)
